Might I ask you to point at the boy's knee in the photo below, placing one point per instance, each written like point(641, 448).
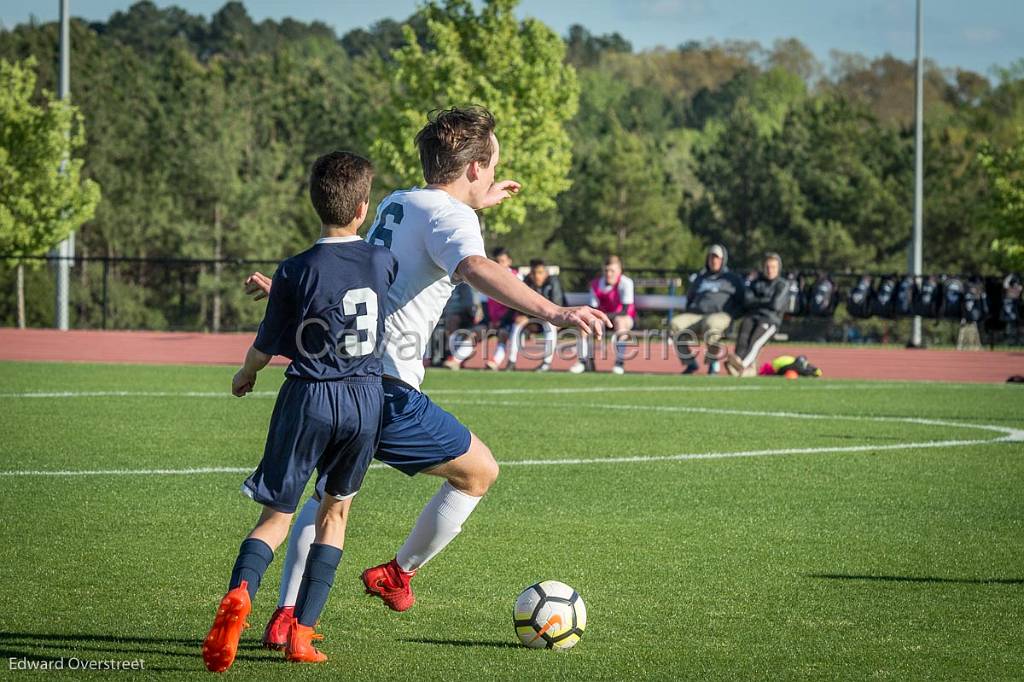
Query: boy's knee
point(483, 474)
point(333, 510)
point(490, 473)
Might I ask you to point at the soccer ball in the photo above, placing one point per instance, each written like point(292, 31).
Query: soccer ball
point(549, 615)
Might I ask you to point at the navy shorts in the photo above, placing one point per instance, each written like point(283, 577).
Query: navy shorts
point(417, 434)
point(329, 426)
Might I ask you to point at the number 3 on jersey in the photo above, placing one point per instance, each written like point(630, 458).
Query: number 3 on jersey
point(381, 235)
point(366, 322)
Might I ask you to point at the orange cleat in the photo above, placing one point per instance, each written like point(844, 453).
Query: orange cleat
point(300, 647)
point(276, 635)
point(390, 583)
point(221, 644)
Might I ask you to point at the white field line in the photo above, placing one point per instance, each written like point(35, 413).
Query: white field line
point(643, 459)
point(191, 471)
point(1007, 435)
point(638, 459)
point(682, 389)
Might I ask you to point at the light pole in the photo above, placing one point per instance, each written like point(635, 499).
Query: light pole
point(66, 249)
point(916, 248)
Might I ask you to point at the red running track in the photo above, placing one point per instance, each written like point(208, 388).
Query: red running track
point(893, 363)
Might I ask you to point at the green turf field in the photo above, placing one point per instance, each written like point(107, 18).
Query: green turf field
point(841, 550)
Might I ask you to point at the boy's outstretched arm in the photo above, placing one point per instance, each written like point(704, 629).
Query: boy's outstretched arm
point(257, 285)
point(245, 378)
point(493, 280)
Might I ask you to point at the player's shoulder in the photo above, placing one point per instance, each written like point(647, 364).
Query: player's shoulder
point(380, 256)
point(443, 206)
point(433, 205)
point(399, 196)
point(291, 266)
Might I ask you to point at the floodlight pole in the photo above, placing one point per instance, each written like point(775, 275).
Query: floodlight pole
point(66, 249)
point(916, 255)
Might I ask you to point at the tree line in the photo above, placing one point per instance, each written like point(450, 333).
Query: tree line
point(199, 132)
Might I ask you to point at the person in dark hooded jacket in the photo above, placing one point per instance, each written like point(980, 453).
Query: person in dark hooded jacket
point(764, 303)
point(714, 297)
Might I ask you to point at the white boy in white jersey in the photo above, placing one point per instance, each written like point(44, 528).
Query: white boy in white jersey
point(435, 235)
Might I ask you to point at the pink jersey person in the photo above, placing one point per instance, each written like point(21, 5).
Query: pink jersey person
point(613, 299)
point(612, 294)
point(496, 311)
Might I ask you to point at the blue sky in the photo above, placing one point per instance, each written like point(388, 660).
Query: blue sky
point(974, 34)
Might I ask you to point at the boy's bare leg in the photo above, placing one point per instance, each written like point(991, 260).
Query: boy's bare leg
point(318, 577)
point(467, 478)
point(254, 556)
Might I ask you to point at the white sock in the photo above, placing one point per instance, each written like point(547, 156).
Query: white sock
point(439, 522)
point(301, 537)
point(514, 341)
point(550, 341)
point(620, 349)
point(461, 345)
point(499, 353)
point(583, 349)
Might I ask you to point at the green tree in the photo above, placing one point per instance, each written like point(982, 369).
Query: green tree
point(515, 69)
point(739, 203)
point(586, 49)
point(43, 197)
point(1005, 170)
point(830, 188)
point(626, 202)
point(956, 203)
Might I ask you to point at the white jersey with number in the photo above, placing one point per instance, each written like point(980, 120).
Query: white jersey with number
point(429, 232)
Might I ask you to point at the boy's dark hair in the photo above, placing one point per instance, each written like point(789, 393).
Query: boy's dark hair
point(338, 183)
point(498, 251)
point(537, 263)
point(452, 139)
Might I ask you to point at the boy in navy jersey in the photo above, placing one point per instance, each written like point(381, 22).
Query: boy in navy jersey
point(323, 315)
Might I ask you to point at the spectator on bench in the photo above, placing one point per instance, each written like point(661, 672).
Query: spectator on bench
point(548, 286)
point(765, 303)
point(463, 311)
point(715, 296)
point(612, 294)
point(499, 319)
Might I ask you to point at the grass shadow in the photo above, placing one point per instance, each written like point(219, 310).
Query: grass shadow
point(463, 642)
point(917, 579)
point(71, 645)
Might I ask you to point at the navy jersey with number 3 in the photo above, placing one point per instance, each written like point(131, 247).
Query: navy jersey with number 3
point(326, 311)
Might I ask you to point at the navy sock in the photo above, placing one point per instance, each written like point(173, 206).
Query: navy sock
point(253, 558)
point(317, 579)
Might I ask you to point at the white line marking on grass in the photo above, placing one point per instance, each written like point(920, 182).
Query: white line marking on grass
point(643, 459)
point(681, 388)
point(440, 391)
point(129, 472)
point(132, 394)
point(1009, 433)
point(637, 459)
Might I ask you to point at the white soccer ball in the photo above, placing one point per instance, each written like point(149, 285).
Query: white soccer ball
point(549, 615)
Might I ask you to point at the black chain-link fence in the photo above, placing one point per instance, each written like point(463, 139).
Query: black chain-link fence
point(207, 295)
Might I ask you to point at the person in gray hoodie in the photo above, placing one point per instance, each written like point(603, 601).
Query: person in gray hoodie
point(765, 303)
point(714, 297)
